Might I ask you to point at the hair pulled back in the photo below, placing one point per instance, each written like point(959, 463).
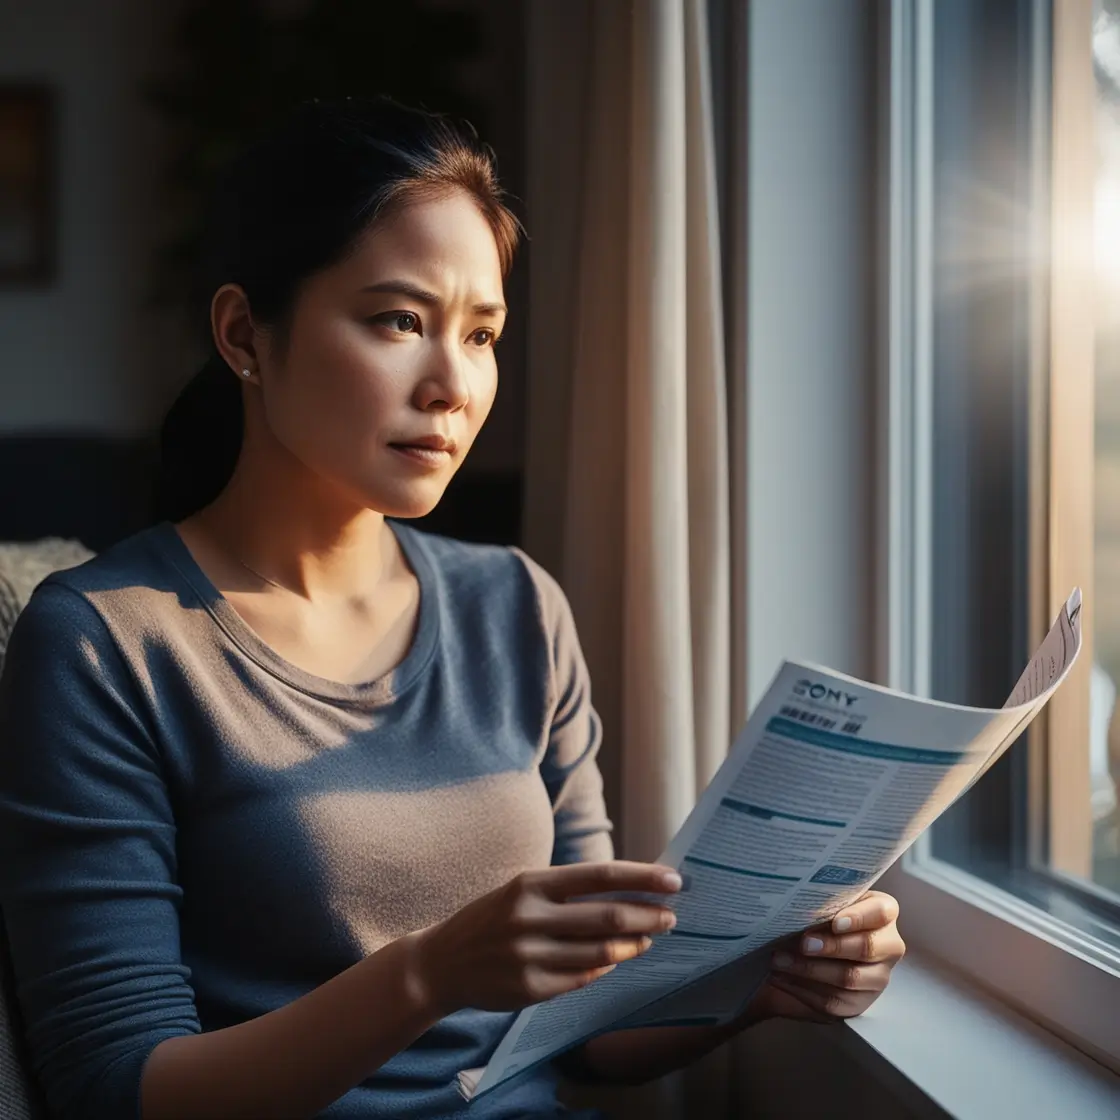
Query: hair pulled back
point(294, 203)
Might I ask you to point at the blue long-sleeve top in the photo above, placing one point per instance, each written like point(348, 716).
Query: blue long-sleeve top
point(194, 831)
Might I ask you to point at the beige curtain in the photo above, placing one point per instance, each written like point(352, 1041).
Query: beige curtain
point(627, 480)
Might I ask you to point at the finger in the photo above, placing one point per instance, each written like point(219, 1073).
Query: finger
point(542, 983)
point(835, 973)
point(833, 1003)
point(873, 911)
point(875, 945)
point(602, 919)
point(784, 1002)
point(581, 956)
point(560, 883)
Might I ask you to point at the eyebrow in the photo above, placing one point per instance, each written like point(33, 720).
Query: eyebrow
point(422, 295)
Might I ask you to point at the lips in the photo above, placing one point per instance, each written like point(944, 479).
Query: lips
point(427, 443)
point(431, 452)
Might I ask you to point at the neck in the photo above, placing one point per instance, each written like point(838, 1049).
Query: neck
point(288, 528)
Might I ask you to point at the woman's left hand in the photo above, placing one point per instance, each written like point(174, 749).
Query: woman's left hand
point(835, 971)
point(829, 972)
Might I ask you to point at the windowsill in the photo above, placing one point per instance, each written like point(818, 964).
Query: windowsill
point(972, 1056)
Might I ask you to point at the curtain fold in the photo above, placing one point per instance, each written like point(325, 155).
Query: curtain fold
point(628, 211)
point(644, 463)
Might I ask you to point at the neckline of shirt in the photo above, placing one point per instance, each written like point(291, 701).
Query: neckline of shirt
point(379, 691)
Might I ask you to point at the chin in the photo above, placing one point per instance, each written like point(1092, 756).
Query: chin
point(407, 502)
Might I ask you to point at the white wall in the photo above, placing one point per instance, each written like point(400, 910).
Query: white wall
point(83, 353)
point(810, 355)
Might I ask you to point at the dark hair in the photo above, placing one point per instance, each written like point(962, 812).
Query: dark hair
point(291, 205)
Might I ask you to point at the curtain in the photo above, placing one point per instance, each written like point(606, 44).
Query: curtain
point(628, 472)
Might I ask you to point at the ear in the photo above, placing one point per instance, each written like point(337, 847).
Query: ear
point(235, 336)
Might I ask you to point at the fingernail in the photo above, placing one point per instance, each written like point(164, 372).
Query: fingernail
point(644, 944)
point(672, 881)
point(782, 960)
point(813, 945)
point(842, 925)
point(669, 920)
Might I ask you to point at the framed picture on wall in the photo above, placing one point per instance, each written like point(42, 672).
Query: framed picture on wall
point(26, 184)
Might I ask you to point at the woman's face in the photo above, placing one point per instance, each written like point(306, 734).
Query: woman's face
point(389, 368)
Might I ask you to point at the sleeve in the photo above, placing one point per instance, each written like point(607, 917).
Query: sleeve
point(570, 765)
point(87, 863)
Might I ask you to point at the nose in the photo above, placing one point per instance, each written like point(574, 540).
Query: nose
point(444, 387)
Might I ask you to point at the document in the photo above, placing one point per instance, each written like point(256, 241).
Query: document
point(829, 782)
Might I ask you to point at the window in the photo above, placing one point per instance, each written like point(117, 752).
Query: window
point(1004, 125)
point(1104, 712)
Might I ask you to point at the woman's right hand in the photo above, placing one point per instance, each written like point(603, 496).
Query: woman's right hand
point(540, 935)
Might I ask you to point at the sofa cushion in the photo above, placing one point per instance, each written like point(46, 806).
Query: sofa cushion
point(23, 566)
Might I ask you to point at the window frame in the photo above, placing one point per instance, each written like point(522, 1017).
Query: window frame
point(1065, 978)
point(1065, 489)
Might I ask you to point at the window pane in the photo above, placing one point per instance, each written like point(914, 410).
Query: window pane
point(990, 163)
point(983, 153)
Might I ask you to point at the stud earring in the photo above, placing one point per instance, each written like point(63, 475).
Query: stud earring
point(246, 373)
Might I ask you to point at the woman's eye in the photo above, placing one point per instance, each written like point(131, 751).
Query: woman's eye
point(484, 336)
point(404, 322)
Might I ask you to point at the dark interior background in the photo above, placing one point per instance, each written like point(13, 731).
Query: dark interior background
point(95, 344)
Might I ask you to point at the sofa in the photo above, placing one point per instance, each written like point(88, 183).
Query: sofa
point(23, 565)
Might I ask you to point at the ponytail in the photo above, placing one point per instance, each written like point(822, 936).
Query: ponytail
point(199, 442)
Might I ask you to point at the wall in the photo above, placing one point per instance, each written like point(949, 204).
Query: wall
point(810, 316)
point(82, 353)
point(805, 389)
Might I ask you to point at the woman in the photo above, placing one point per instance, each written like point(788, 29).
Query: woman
point(298, 805)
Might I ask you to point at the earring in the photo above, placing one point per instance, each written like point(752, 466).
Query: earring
point(246, 373)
